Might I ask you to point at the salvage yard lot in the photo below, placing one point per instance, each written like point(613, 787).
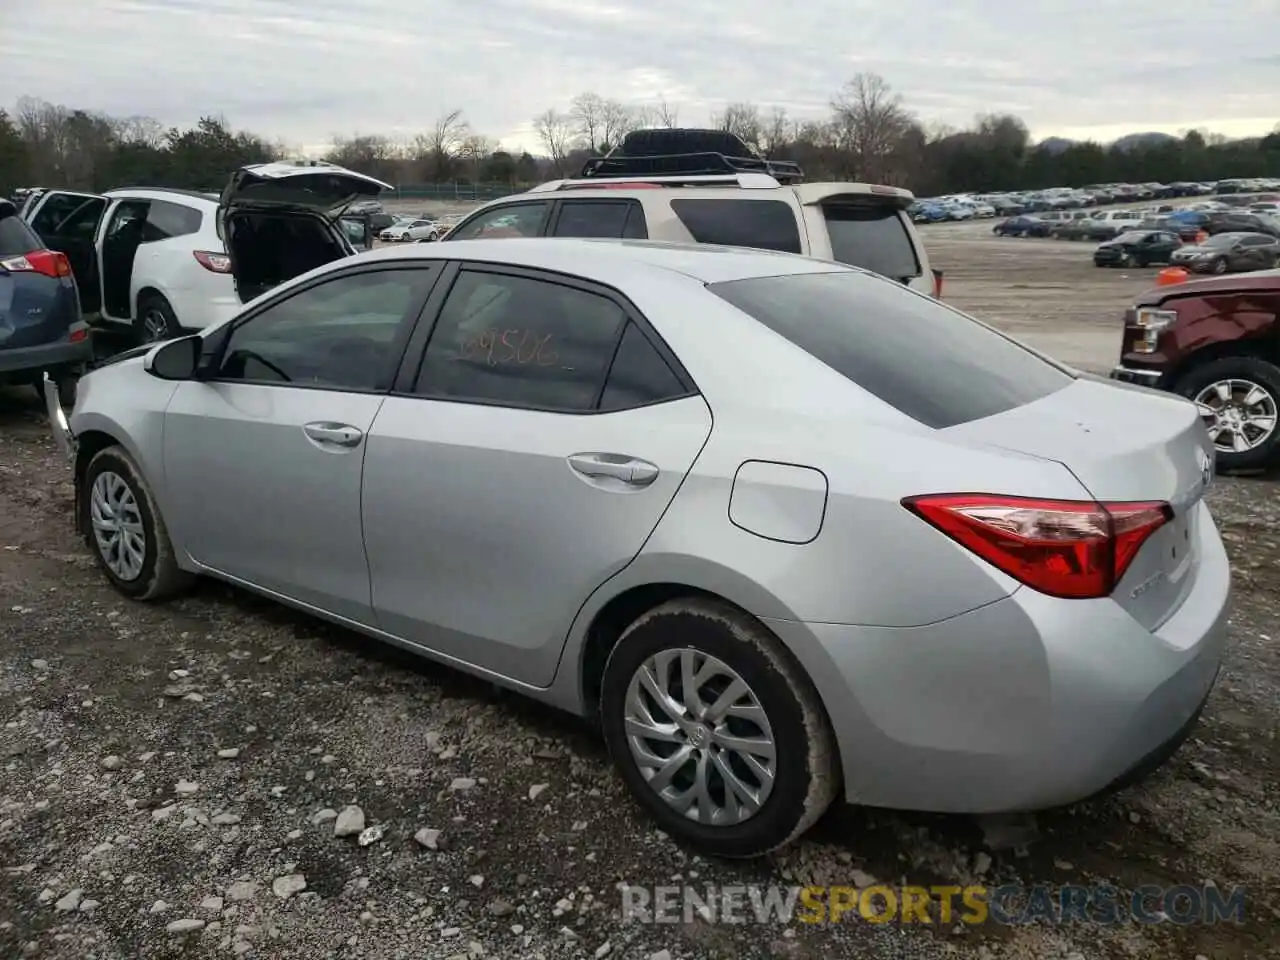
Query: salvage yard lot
point(167, 763)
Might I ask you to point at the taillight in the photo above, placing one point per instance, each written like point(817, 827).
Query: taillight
point(215, 262)
point(50, 263)
point(79, 334)
point(1064, 548)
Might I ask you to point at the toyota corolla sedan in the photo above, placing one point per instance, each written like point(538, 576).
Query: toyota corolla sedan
point(788, 531)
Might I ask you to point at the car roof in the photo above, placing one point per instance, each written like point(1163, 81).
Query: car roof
point(187, 197)
point(706, 263)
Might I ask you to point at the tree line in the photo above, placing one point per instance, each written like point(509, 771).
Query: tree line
point(869, 135)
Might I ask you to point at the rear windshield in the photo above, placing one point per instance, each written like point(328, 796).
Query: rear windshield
point(16, 237)
point(929, 361)
point(875, 238)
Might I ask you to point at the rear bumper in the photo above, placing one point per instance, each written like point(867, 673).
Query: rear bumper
point(1024, 704)
point(47, 356)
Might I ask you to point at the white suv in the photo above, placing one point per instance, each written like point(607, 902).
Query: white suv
point(147, 257)
point(860, 224)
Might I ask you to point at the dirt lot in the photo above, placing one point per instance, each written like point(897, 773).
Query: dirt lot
point(165, 771)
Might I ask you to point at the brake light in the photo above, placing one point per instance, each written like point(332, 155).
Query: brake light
point(50, 263)
point(214, 262)
point(77, 335)
point(1064, 548)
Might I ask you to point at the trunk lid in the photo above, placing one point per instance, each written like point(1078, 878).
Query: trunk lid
point(279, 220)
point(313, 187)
point(1139, 445)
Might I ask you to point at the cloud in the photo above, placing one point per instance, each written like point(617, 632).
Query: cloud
point(305, 70)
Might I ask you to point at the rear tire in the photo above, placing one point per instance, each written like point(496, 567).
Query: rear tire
point(1246, 373)
point(156, 319)
point(139, 560)
point(726, 646)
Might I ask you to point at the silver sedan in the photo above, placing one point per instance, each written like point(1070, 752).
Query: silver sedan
point(786, 529)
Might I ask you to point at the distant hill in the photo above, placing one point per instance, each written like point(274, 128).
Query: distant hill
point(1056, 144)
point(1144, 140)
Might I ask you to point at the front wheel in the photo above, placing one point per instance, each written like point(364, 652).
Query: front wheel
point(716, 731)
point(1239, 400)
point(1220, 265)
point(123, 527)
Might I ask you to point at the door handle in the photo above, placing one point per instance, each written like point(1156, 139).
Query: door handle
point(629, 470)
point(337, 434)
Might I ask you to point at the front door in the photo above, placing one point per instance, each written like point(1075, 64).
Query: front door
point(264, 458)
point(525, 462)
point(68, 222)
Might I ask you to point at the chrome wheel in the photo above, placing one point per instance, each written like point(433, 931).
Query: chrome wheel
point(155, 326)
point(117, 525)
point(700, 737)
point(1240, 415)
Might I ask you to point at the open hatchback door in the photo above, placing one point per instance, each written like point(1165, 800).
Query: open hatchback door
point(281, 219)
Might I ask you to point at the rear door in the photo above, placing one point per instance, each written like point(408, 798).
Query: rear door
point(520, 464)
point(599, 218)
point(69, 222)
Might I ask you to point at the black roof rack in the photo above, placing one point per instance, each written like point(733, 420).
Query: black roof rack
point(685, 152)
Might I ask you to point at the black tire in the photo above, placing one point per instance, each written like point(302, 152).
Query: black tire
point(1220, 265)
point(156, 320)
point(807, 767)
point(1250, 370)
point(160, 576)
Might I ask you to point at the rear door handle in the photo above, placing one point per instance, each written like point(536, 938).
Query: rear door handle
point(335, 434)
point(629, 470)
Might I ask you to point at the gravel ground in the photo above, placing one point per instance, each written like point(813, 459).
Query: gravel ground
point(171, 777)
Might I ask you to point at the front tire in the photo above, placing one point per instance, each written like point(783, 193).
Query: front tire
point(1220, 265)
point(716, 731)
point(1239, 399)
point(123, 527)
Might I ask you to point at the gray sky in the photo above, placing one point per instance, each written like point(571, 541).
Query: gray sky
point(304, 70)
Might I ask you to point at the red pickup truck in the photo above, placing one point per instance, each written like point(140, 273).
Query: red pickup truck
point(1216, 341)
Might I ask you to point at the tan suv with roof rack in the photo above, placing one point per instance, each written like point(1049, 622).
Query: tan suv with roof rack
point(718, 194)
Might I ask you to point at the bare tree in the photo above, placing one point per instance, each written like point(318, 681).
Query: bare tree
point(616, 121)
point(555, 131)
point(473, 152)
point(439, 148)
point(870, 120)
point(373, 155)
point(667, 114)
point(139, 131)
point(776, 131)
point(742, 120)
point(587, 111)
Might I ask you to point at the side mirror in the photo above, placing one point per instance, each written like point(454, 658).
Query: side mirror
point(174, 359)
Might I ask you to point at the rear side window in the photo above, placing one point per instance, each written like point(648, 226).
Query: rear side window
point(875, 238)
point(763, 224)
point(933, 363)
point(16, 238)
point(168, 220)
point(600, 218)
point(639, 376)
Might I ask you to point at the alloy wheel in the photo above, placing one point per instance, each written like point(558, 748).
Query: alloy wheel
point(117, 525)
point(155, 326)
point(700, 737)
point(1239, 414)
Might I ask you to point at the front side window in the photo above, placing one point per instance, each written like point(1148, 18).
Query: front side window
point(51, 219)
point(763, 224)
point(933, 363)
point(341, 334)
point(520, 341)
point(512, 220)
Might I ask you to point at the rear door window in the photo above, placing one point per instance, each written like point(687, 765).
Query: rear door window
point(600, 218)
point(933, 363)
point(16, 238)
point(876, 238)
point(763, 224)
point(168, 220)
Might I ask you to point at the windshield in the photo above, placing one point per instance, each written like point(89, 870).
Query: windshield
point(933, 363)
point(875, 238)
point(1131, 237)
